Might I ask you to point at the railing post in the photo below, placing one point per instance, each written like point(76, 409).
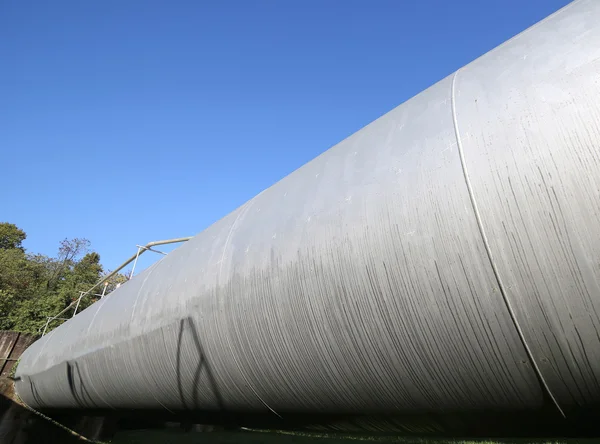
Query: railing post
point(105, 279)
point(135, 262)
point(81, 293)
point(104, 290)
point(46, 326)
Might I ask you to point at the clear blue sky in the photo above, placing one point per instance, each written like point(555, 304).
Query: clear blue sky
point(131, 121)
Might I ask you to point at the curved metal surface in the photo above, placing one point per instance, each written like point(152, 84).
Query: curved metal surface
point(403, 270)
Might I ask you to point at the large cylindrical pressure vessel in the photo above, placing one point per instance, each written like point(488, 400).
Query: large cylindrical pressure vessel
point(444, 258)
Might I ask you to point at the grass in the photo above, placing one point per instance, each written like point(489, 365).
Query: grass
point(13, 370)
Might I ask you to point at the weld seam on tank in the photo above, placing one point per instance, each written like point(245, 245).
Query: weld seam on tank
point(488, 249)
point(243, 211)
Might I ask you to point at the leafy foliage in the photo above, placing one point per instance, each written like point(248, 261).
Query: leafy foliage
point(11, 236)
point(34, 287)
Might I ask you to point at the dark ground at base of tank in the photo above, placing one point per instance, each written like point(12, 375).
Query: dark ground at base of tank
point(134, 430)
point(247, 437)
point(147, 426)
point(474, 424)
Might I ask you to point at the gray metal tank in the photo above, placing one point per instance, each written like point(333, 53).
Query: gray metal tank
point(445, 258)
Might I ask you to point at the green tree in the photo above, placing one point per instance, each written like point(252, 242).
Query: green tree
point(30, 315)
point(68, 253)
point(6, 307)
point(34, 287)
point(80, 278)
point(14, 270)
point(19, 278)
point(11, 236)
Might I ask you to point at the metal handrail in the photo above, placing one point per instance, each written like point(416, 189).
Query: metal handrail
point(140, 251)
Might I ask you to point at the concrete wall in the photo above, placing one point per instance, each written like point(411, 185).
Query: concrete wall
point(12, 345)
